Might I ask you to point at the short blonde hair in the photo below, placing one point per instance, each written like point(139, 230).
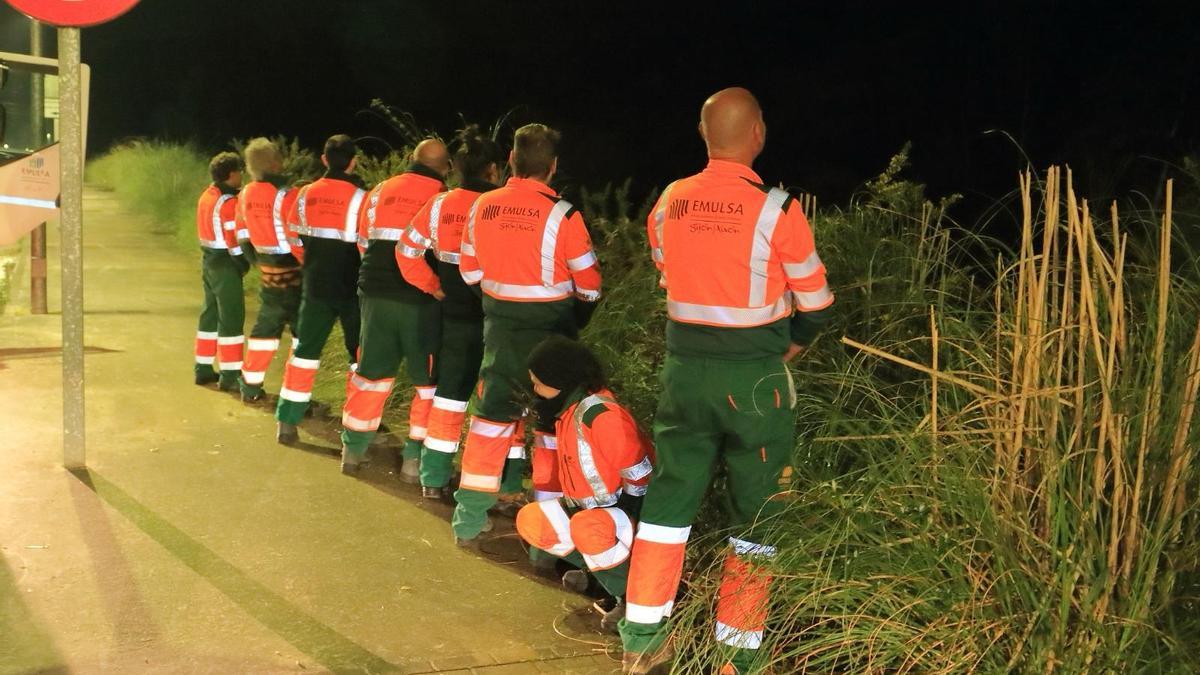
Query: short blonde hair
point(261, 155)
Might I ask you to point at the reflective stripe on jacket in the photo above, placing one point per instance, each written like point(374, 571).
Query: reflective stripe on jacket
point(734, 253)
point(216, 220)
point(262, 215)
point(524, 243)
point(439, 225)
point(328, 209)
point(600, 452)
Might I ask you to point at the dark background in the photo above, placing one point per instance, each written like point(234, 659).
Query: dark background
point(1110, 88)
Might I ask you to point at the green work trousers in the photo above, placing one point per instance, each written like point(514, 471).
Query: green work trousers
point(504, 395)
point(715, 416)
point(224, 309)
point(277, 310)
point(313, 324)
point(459, 357)
point(395, 332)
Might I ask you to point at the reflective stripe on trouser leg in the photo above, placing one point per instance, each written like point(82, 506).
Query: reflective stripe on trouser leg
point(418, 413)
point(259, 353)
point(742, 603)
point(482, 465)
point(441, 443)
point(604, 537)
point(206, 347)
point(483, 459)
point(516, 449)
point(654, 572)
point(364, 406)
point(512, 481)
point(298, 379)
point(229, 350)
point(546, 526)
point(545, 467)
point(446, 418)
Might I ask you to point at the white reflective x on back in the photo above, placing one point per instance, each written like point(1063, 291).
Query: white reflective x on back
point(388, 233)
point(218, 240)
point(435, 215)
point(350, 232)
point(277, 221)
point(760, 253)
point(550, 239)
point(587, 460)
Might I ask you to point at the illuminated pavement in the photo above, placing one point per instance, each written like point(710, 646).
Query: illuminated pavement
point(194, 543)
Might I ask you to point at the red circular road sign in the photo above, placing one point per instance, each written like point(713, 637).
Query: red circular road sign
point(77, 13)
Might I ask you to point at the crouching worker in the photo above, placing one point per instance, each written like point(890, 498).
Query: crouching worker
point(591, 485)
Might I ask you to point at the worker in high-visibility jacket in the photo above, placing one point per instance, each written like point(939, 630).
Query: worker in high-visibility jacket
point(325, 216)
point(591, 480)
point(399, 321)
point(219, 334)
point(529, 252)
point(438, 227)
point(263, 206)
point(745, 291)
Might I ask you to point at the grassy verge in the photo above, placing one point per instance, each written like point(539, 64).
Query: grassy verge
point(156, 181)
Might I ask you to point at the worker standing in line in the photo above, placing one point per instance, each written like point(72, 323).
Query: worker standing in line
point(600, 468)
point(222, 269)
point(263, 207)
point(325, 216)
point(745, 291)
point(439, 226)
point(399, 321)
point(529, 252)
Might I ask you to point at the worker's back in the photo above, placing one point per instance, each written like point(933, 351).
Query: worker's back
point(262, 211)
point(326, 218)
point(386, 215)
point(734, 254)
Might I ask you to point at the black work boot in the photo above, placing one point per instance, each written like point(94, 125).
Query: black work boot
point(432, 492)
point(206, 376)
point(352, 462)
point(287, 434)
point(230, 380)
point(575, 581)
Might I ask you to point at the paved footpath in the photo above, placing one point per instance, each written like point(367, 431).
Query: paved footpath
point(193, 543)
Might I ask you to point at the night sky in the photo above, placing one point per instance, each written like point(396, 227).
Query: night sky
point(1112, 90)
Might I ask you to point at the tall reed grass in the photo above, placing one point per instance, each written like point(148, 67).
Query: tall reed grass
point(1007, 492)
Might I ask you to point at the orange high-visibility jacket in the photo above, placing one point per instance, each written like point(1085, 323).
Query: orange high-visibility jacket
point(327, 208)
point(526, 244)
point(734, 253)
point(600, 454)
point(439, 225)
point(262, 217)
point(216, 220)
point(391, 205)
point(386, 214)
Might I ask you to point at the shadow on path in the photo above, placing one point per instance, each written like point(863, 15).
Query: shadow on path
point(325, 645)
point(24, 646)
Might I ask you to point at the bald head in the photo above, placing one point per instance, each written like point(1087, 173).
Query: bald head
point(732, 126)
point(432, 154)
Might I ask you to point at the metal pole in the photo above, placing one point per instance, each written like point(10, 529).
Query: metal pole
point(37, 239)
point(71, 220)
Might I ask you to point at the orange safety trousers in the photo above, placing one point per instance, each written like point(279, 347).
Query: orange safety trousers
point(489, 445)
